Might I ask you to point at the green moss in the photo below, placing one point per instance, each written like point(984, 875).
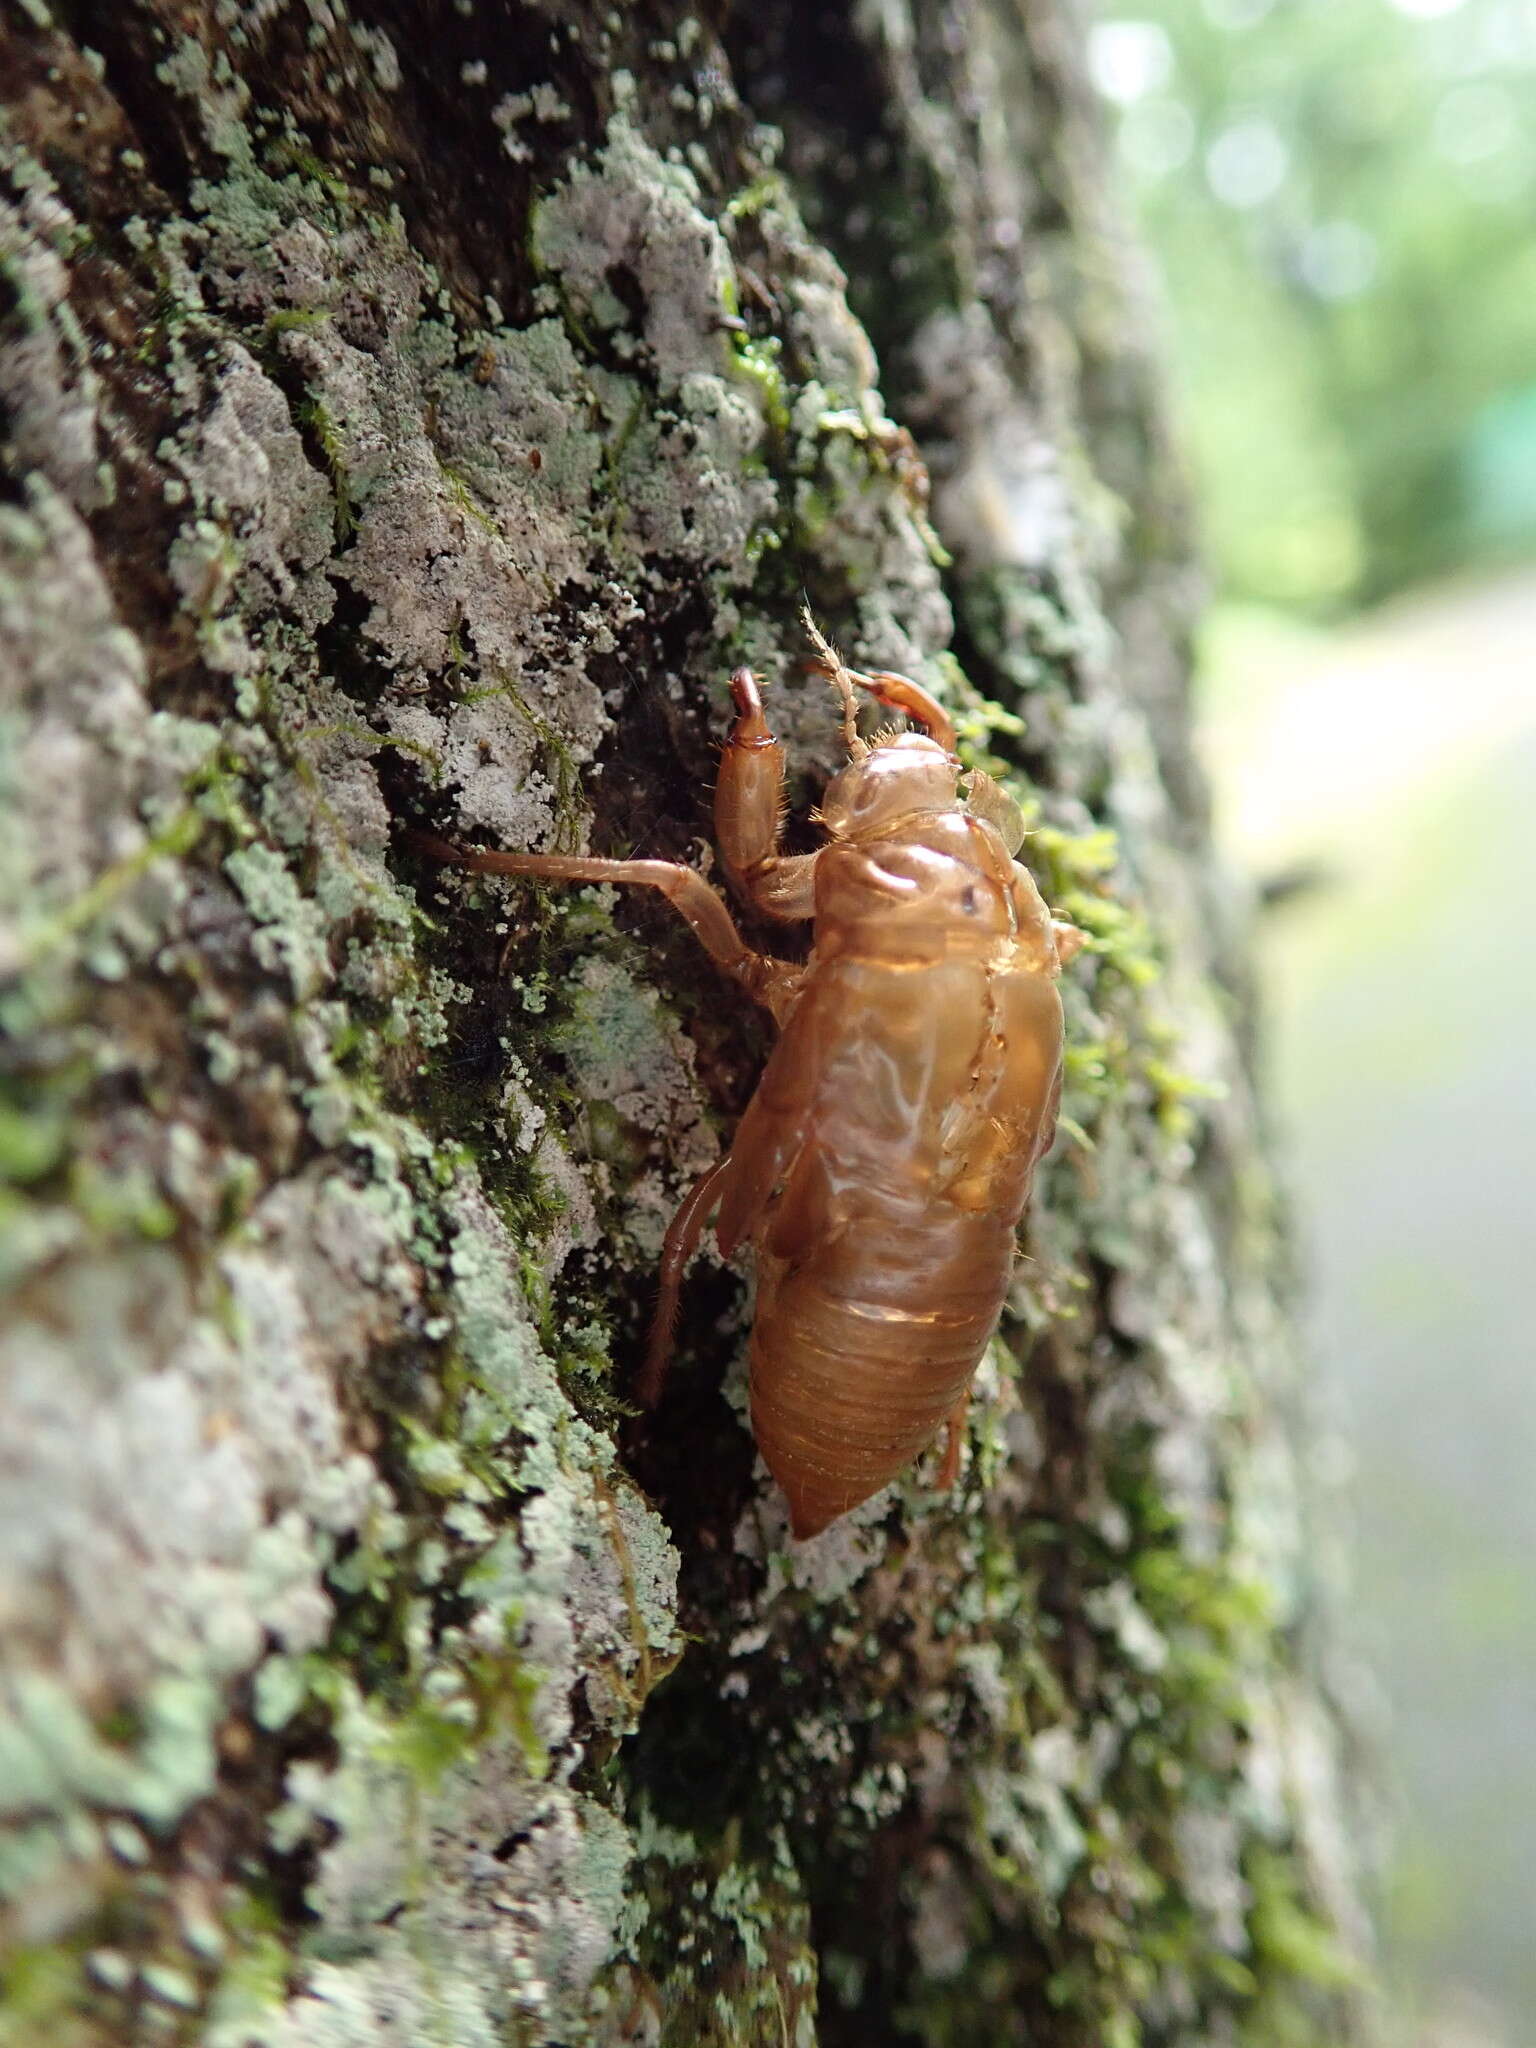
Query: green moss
point(44, 1990)
point(253, 1980)
point(430, 1739)
point(316, 415)
point(727, 1955)
point(1175, 1091)
point(173, 841)
point(294, 320)
point(462, 495)
point(1290, 1938)
point(118, 1205)
point(365, 736)
point(766, 192)
point(33, 1137)
point(757, 362)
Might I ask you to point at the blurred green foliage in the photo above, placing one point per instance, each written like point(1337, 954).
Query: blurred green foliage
point(1340, 194)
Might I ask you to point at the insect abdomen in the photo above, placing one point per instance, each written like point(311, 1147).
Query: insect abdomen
point(859, 1358)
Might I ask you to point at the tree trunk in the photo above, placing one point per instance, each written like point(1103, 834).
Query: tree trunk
point(411, 415)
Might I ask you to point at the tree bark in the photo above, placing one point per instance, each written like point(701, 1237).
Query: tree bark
point(411, 415)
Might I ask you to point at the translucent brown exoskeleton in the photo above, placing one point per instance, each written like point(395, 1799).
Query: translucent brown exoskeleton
point(883, 1164)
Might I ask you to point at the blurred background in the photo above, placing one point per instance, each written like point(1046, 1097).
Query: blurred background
point(1341, 198)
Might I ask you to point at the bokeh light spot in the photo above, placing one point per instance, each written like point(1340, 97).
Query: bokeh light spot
point(1247, 163)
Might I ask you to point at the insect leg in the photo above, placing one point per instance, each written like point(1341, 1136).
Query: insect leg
point(900, 693)
point(771, 982)
point(1070, 940)
point(679, 1246)
point(954, 1429)
point(749, 813)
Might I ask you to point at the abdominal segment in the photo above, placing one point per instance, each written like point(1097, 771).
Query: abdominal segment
point(853, 1372)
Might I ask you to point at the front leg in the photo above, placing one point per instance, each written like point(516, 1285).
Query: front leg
point(749, 813)
point(900, 693)
point(773, 983)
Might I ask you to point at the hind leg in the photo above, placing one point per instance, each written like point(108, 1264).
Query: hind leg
point(682, 1241)
point(954, 1432)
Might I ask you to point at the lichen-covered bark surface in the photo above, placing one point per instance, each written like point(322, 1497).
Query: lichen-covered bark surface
point(412, 409)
